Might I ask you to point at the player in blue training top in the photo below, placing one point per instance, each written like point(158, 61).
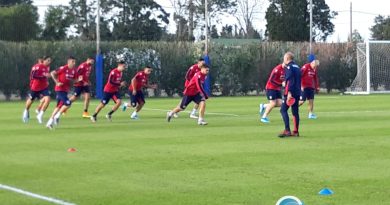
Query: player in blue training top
point(291, 95)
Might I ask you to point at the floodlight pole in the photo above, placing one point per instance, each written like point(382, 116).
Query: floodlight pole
point(98, 29)
point(206, 16)
point(311, 26)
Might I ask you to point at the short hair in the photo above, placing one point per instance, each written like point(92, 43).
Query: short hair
point(290, 55)
point(149, 67)
point(90, 57)
point(316, 63)
point(71, 58)
point(204, 65)
point(46, 57)
point(121, 62)
point(201, 59)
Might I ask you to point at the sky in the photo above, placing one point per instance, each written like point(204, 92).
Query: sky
point(363, 15)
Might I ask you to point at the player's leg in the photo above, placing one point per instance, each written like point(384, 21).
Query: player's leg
point(66, 103)
point(128, 105)
point(26, 111)
point(40, 105)
point(295, 113)
point(193, 112)
point(311, 104)
point(117, 99)
point(202, 110)
point(50, 122)
point(45, 104)
point(182, 106)
point(87, 99)
point(140, 102)
point(284, 112)
point(268, 109)
point(106, 98)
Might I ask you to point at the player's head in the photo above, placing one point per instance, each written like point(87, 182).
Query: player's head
point(200, 61)
point(46, 60)
point(204, 69)
point(71, 61)
point(315, 63)
point(288, 57)
point(121, 65)
point(40, 60)
point(90, 60)
point(148, 70)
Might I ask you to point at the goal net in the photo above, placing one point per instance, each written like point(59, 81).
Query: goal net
point(373, 68)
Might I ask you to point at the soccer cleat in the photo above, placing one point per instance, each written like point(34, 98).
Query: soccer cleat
point(26, 116)
point(124, 107)
point(93, 119)
point(175, 115)
point(86, 115)
point(50, 126)
point(262, 109)
point(169, 117)
point(264, 120)
point(295, 134)
point(56, 121)
point(134, 116)
point(109, 117)
point(193, 116)
point(39, 118)
point(202, 122)
point(285, 133)
point(312, 116)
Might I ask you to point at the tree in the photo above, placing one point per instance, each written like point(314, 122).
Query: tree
point(381, 29)
point(19, 23)
point(247, 9)
point(289, 20)
point(356, 37)
point(14, 2)
point(83, 17)
point(57, 23)
point(138, 20)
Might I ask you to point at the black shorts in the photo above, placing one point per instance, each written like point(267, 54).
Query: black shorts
point(38, 94)
point(62, 99)
point(107, 96)
point(81, 89)
point(307, 94)
point(274, 94)
point(188, 99)
point(137, 98)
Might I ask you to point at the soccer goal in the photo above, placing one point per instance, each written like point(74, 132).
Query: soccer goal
point(373, 68)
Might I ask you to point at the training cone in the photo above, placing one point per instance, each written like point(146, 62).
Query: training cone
point(325, 191)
point(72, 150)
point(290, 102)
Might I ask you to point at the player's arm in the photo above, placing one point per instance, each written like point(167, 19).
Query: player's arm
point(273, 79)
point(134, 84)
point(188, 74)
point(80, 74)
point(199, 86)
point(289, 80)
point(54, 76)
point(111, 80)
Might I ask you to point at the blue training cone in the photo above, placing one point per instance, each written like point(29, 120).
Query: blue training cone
point(325, 191)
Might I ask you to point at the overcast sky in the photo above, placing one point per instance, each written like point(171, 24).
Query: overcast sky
point(362, 17)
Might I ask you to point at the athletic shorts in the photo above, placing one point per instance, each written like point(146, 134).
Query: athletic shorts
point(107, 96)
point(274, 94)
point(137, 98)
point(62, 99)
point(81, 89)
point(307, 94)
point(188, 99)
point(38, 94)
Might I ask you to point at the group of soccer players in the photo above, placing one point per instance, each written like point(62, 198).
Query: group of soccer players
point(299, 84)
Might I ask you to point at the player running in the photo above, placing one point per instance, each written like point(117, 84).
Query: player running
point(310, 85)
point(63, 77)
point(190, 73)
point(82, 84)
point(137, 97)
point(39, 84)
point(194, 92)
point(111, 91)
point(274, 95)
point(291, 95)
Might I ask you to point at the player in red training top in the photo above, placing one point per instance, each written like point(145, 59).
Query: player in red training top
point(190, 73)
point(63, 77)
point(194, 92)
point(38, 88)
point(111, 91)
point(42, 100)
point(82, 84)
point(274, 95)
point(310, 85)
point(137, 98)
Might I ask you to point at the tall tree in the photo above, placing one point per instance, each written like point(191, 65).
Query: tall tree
point(247, 10)
point(57, 23)
point(19, 23)
point(381, 29)
point(138, 20)
point(289, 20)
point(356, 37)
point(83, 18)
point(14, 2)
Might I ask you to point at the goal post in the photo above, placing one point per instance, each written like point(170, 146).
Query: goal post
point(373, 68)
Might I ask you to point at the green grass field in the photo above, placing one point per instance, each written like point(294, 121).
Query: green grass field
point(233, 160)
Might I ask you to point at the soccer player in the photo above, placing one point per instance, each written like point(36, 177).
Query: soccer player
point(190, 73)
point(63, 77)
point(310, 85)
point(274, 95)
point(82, 84)
point(291, 95)
point(38, 88)
point(137, 98)
point(111, 91)
point(194, 92)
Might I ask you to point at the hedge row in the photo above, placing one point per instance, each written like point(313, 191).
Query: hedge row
point(234, 70)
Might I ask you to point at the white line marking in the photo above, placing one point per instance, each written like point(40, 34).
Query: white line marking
point(209, 113)
point(49, 199)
